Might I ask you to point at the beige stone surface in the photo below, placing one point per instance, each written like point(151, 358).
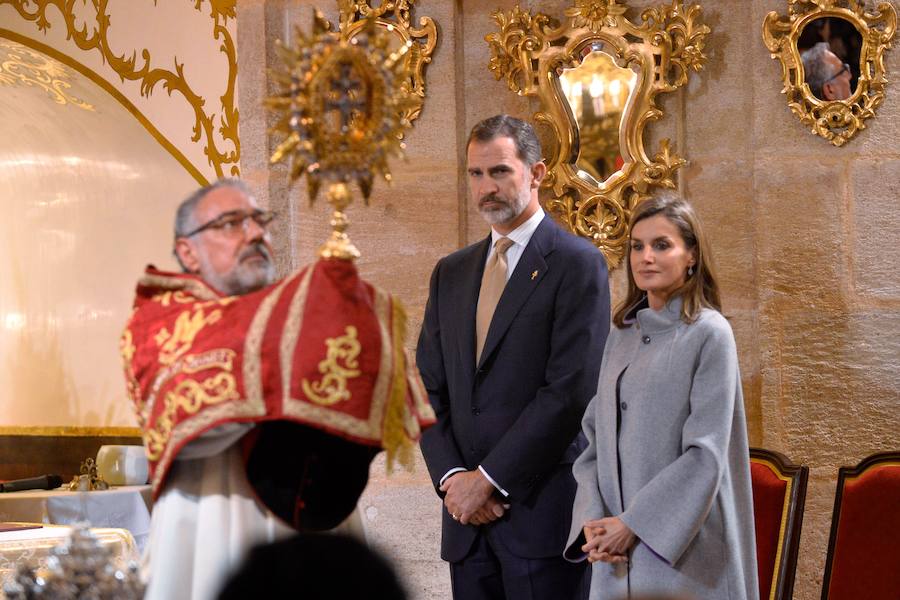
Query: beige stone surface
point(805, 236)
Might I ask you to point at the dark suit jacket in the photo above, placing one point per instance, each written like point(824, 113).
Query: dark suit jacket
point(518, 414)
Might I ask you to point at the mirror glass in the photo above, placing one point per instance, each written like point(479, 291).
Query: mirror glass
point(597, 91)
point(829, 48)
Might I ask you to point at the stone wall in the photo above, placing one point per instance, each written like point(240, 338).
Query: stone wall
point(805, 235)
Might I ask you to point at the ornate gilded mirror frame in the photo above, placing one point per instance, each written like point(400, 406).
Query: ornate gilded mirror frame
point(395, 16)
point(835, 120)
point(531, 51)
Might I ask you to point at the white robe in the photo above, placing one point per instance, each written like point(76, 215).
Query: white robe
point(207, 518)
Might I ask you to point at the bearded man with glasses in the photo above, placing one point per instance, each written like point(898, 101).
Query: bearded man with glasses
point(205, 514)
point(221, 236)
point(247, 435)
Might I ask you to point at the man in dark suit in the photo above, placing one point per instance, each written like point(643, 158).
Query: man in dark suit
point(510, 353)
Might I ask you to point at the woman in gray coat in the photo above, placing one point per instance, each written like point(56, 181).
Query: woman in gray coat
point(664, 502)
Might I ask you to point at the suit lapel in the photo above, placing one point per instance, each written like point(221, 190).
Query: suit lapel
point(529, 272)
point(469, 287)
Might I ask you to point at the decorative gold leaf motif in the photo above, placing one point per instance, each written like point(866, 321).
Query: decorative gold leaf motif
point(339, 366)
point(531, 52)
point(594, 14)
point(210, 121)
point(837, 121)
point(25, 67)
point(520, 33)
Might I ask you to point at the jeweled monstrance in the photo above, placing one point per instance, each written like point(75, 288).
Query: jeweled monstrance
point(342, 107)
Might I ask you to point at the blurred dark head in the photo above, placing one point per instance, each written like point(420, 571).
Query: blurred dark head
point(314, 566)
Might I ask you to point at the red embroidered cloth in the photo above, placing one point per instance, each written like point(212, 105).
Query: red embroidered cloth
point(321, 348)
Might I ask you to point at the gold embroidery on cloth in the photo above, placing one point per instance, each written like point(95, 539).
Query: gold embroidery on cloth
point(332, 388)
point(188, 324)
point(178, 296)
point(126, 347)
point(189, 396)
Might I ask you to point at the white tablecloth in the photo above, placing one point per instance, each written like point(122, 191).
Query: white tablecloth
point(126, 507)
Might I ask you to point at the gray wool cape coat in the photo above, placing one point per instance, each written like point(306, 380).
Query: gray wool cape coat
point(682, 450)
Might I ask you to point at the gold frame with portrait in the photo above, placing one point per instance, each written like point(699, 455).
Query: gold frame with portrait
point(530, 51)
point(837, 121)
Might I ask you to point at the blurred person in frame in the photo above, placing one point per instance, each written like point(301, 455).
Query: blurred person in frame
point(664, 502)
point(221, 476)
point(827, 77)
point(206, 503)
point(508, 351)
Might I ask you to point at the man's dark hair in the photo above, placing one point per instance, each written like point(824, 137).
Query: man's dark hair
point(184, 215)
point(528, 147)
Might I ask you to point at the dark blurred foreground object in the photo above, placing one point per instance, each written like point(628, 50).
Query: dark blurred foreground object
point(314, 566)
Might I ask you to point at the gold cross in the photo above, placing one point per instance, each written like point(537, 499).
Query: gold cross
point(533, 275)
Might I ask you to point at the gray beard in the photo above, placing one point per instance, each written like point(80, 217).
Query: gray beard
point(244, 278)
point(507, 213)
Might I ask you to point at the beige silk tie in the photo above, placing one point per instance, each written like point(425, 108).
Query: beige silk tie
point(492, 283)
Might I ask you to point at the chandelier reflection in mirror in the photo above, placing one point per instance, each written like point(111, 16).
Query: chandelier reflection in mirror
point(597, 76)
point(597, 92)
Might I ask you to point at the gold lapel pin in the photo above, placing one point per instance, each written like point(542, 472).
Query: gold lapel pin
point(533, 275)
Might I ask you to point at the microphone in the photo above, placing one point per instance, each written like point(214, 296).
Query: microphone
point(44, 482)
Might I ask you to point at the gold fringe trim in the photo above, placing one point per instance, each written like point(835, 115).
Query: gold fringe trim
point(394, 439)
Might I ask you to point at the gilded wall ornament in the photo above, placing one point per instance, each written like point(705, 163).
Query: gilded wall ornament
point(833, 100)
point(214, 121)
point(342, 111)
point(597, 76)
point(19, 65)
point(395, 17)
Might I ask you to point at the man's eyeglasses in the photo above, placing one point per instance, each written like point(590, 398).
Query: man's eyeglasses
point(843, 70)
point(236, 221)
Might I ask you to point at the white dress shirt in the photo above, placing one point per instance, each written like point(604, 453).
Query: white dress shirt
point(520, 237)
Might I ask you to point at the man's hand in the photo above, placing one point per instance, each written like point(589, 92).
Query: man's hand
point(466, 492)
point(489, 512)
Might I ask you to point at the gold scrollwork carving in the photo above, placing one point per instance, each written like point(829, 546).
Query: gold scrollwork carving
point(531, 51)
point(209, 122)
point(836, 120)
point(22, 66)
point(353, 17)
point(339, 366)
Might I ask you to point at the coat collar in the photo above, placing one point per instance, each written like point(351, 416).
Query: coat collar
point(657, 321)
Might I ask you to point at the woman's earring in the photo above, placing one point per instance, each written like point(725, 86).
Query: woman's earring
point(690, 270)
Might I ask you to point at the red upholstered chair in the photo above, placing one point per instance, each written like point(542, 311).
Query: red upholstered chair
point(864, 547)
point(779, 494)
